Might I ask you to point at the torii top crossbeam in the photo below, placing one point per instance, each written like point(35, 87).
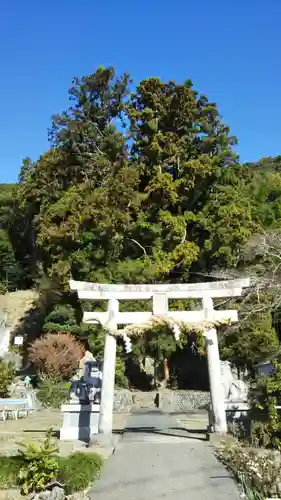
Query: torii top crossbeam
point(160, 294)
point(97, 291)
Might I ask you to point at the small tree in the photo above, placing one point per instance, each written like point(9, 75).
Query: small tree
point(61, 320)
point(56, 355)
point(159, 343)
point(7, 375)
point(254, 339)
point(265, 395)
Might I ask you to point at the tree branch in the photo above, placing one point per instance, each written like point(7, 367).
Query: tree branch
point(184, 236)
point(139, 245)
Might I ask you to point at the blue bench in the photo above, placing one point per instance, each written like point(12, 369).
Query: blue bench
point(14, 407)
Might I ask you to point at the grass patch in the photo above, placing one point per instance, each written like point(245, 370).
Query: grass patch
point(79, 470)
point(76, 472)
point(9, 471)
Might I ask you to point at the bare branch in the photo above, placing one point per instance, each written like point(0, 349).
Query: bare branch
point(184, 236)
point(139, 245)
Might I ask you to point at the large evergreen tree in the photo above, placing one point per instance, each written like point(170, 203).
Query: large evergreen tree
point(146, 202)
point(140, 186)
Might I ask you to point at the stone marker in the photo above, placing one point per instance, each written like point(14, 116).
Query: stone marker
point(81, 414)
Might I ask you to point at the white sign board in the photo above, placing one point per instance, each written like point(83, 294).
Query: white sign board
point(18, 340)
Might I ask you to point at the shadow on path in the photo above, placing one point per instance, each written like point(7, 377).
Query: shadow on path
point(145, 423)
point(199, 435)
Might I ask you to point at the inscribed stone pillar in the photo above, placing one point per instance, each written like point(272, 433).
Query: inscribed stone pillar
point(109, 362)
point(160, 304)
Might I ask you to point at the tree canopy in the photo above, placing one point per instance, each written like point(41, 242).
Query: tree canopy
point(140, 184)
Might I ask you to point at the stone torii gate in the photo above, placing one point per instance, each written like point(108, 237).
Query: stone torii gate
point(207, 318)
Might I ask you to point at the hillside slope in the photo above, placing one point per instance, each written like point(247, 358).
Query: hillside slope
point(15, 305)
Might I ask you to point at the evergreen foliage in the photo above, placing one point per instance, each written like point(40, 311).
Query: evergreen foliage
point(138, 186)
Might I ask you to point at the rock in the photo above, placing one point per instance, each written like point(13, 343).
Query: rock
point(14, 358)
point(123, 401)
point(81, 495)
point(234, 389)
point(238, 391)
point(18, 389)
point(57, 493)
point(227, 377)
point(44, 495)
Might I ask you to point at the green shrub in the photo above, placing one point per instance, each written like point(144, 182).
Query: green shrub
point(61, 320)
point(9, 471)
point(265, 395)
point(120, 377)
point(250, 493)
point(61, 315)
point(52, 392)
point(79, 470)
point(7, 375)
point(40, 464)
point(259, 475)
point(37, 465)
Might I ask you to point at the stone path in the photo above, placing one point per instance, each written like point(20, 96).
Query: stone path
point(157, 458)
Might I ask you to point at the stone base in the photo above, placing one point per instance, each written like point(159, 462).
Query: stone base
point(236, 412)
point(80, 422)
point(215, 438)
point(104, 440)
point(236, 405)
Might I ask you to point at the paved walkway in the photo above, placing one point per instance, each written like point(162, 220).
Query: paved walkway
point(157, 459)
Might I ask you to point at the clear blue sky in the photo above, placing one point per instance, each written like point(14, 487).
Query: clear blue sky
point(230, 50)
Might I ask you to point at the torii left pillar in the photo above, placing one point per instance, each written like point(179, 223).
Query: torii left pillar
point(108, 376)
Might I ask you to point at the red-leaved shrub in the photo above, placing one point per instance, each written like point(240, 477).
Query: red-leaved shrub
point(56, 355)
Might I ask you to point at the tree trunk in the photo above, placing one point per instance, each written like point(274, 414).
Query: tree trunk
point(166, 370)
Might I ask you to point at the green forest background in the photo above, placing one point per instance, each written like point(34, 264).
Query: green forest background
point(142, 184)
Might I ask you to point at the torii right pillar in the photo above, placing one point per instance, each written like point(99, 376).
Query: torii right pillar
point(213, 356)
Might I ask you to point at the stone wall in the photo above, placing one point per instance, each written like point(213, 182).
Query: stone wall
point(167, 400)
point(122, 401)
point(183, 401)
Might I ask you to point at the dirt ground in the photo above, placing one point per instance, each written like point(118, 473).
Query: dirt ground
point(32, 429)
